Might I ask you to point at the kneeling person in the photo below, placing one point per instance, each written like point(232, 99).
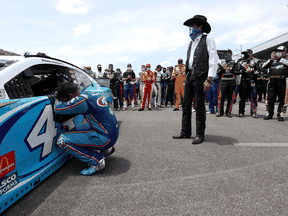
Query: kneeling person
point(100, 133)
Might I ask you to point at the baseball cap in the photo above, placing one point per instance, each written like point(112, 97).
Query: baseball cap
point(281, 48)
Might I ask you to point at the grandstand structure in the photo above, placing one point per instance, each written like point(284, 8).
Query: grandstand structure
point(263, 50)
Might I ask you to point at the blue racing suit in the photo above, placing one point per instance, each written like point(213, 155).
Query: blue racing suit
point(99, 133)
point(212, 94)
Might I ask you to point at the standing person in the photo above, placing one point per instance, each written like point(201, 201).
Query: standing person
point(129, 79)
point(249, 67)
point(101, 133)
point(163, 86)
point(278, 83)
point(227, 86)
point(212, 95)
point(158, 86)
point(119, 86)
point(110, 74)
point(170, 87)
point(262, 85)
point(99, 73)
point(201, 67)
point(143, 69)
point(179, 76)
point(148, 77)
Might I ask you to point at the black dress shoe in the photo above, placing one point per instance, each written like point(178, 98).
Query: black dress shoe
point(175, 109)
point(219, 114)
point(268, 117)
point(229, 115)
point(281, 118)
point(149, 109)
point(181, 136)
point(240, 115)
point(197, 140)
point(140, 109)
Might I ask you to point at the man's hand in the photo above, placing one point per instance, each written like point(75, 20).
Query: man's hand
point(206, 86)
point(249, 70)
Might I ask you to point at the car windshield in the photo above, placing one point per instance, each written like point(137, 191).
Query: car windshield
point(6, 63)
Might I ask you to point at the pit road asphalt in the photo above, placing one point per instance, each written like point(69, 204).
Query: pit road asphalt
point(240, 169)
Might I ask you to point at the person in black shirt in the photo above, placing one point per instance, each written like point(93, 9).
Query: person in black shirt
point(129, 80)
point(249, 68)
point(110, 74)
point(227, 86)
point(170, 87)
point(278, 83)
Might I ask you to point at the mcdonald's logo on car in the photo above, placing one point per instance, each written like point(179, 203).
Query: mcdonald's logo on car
point(7, 163)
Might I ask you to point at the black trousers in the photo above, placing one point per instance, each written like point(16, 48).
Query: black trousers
point(276, 86)
point(170, 94)
point(113, 88)
point(248, 89)
point(227, 88)
point(194, 89)
point(262, 88)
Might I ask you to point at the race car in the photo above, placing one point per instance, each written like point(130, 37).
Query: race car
point(29, 127)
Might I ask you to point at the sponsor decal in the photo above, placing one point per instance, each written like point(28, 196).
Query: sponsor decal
point(7, 163)
point(102, 102)
point(8, 183)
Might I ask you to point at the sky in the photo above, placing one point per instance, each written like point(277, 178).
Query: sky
point(92, 32)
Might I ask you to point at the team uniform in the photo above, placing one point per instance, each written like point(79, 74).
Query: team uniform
point(212, 95)
point(179, 76)
point(113, 76)
point(248, 85)
point(227, 87)
point(129, 89)
point(100, 133)
point(277, 86)
point(148, 77)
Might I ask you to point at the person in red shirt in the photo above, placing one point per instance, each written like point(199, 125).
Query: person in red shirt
point(148, 77)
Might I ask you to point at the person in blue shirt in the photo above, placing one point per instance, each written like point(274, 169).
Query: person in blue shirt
point(90, 142)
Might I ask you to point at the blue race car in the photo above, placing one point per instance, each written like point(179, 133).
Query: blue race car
point(28, 124)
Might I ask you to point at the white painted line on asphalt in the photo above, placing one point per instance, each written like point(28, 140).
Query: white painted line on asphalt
point(262, 144)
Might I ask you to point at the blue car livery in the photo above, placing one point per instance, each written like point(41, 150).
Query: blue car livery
point(28, 130)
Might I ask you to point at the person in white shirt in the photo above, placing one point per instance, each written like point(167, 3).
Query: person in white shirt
point(99, 73)
point(201, 67)
point(158, 75)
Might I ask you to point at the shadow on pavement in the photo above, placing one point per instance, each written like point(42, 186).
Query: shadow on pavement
point(32, 200)
point(220, 140)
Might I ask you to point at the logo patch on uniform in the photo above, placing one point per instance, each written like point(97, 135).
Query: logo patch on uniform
point(102, 102)
point(7, 163)
point(7, 183)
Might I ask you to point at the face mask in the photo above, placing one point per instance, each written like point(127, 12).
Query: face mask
point(143, 69)
point(148, 68)
point(129, 68)
point(99, 69)
point(180, 62)
point(194, 32)
point(164, 71)
point(279, 54)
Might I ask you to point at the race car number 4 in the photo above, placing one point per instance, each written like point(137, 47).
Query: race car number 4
point(43, 133)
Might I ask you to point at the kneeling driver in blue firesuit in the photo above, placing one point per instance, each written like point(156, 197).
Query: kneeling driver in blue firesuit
point(92, 141)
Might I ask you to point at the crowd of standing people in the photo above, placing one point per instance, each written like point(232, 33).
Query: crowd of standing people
point(246, 78)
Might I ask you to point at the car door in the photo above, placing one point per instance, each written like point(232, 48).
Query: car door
point(27, 140)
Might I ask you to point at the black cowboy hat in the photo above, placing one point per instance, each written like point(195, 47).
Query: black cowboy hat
point(200, 20)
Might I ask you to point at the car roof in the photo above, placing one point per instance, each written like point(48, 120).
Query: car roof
point(28, 61)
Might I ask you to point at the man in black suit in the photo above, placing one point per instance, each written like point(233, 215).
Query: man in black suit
point(201, 67)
